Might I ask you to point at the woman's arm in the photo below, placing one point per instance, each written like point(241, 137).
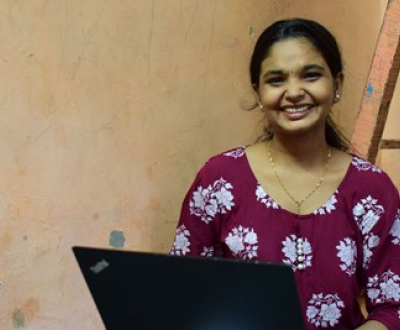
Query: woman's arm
point(198, 229)
point(380, 226)
point(372, 325)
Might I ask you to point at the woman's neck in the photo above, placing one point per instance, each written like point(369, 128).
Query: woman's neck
point(307, 151)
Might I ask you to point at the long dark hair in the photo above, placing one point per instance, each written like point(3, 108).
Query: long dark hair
point(322, 40)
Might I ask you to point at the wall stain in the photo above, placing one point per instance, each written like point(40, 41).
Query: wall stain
point(117, 239)
point(370, 89)
point(251, 32)
point(31, 307)
point(18, 320)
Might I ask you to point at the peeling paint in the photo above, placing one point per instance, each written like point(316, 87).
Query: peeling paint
point(370, 89)
point(252, 32)
point(18, 320)
point(117, 239)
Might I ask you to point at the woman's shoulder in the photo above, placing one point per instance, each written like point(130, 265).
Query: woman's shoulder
point(364, 166)
point(365, 175)
point(229, 155)
point(231, 161)
point(363, 169)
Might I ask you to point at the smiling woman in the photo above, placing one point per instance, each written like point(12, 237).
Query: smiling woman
point(298, 196)
point(319, 41)
point(296, 88)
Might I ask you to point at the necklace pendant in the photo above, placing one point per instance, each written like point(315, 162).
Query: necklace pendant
point(296, 201)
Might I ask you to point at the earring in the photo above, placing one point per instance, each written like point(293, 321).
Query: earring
point(337, 96)
point(260, 106)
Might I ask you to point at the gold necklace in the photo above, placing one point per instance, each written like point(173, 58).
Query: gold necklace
point(301, 201)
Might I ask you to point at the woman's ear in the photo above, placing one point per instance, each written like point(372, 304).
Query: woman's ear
point(257, 96)
point(338, 86)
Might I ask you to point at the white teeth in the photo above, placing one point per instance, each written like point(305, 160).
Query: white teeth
point(295, 110)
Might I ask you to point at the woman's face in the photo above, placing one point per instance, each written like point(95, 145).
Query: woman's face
point(296, 88)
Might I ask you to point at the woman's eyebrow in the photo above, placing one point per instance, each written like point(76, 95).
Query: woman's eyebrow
point(313, 66)
point(273, 73)
point(278, 72)
point(304, 68)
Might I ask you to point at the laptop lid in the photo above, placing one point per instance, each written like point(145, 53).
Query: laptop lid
point(147, 291)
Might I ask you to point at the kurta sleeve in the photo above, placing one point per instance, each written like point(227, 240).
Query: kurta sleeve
point(378, 217)
point(207, 201)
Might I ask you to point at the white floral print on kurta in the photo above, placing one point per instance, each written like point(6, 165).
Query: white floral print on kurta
point(329, 206)
point(367, 213)
point(208, 251)
point(363, 165)
point(242, 242)
point(395, 230)
point(263, 198)
point(235, 153)
point(370, 241)
point(181, 243)
point(290, 251)
point(347, 255)
point(216, 198)
point(324, 311)
point(384, 288)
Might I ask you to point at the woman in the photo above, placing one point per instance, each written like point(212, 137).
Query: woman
point(297, 196)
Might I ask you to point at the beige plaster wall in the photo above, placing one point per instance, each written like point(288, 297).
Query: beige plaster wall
point(108, 108)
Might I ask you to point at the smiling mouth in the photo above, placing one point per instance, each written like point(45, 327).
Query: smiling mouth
point(297, 109)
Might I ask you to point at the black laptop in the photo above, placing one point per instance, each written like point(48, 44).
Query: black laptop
point(146, 291)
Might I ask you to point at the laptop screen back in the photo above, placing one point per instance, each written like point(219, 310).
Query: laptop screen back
point(145, 291)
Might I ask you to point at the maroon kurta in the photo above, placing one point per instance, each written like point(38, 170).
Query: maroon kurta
point(350, 243)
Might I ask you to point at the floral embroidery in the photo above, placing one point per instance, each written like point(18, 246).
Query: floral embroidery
point(395, 230)
point(329, 206)
point(347, 254)
point(235, 153)
point(367, 213)
point(324, 311)
point(208, 251)
point(242, 242)
point(290, 251)
point(181, 243)
point(370, 241)
point(216, 198)
point(363, 165)
point(264, 198)
point(384, 288)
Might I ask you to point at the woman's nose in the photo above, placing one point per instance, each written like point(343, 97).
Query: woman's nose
point(294, 90)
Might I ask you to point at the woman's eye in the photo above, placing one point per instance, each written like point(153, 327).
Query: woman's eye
point(312, 76)
point(275, 81)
